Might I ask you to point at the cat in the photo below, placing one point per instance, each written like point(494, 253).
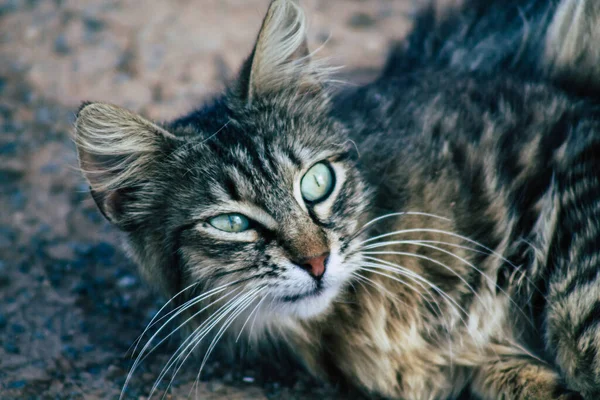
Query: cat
point(431, 233)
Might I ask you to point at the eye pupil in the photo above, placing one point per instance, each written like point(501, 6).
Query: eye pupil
point(317, 181)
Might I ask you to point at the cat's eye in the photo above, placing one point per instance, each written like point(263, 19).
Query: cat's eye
point(317, 183)
point(233, 223)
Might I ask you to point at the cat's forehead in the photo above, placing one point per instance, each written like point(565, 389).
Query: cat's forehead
point(250, 166)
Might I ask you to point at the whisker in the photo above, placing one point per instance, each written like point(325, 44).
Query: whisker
point(175, 356)
point(491, 251)
point(230, 319)
point(451, 302)
point(196, 337)
point(226, 325)
point(376, 285)
point(417, 241)
point(141, 357)
point(368, 264)
point(151, 323)
point(391, 268)
point(431, 260)
point(431, 230)
point(396, 214)
point(430, 300)
point(248, 319)
point(396, 279)
point(186, 321)
point(486, 276)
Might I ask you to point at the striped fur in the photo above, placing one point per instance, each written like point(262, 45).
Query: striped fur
point(463, 229)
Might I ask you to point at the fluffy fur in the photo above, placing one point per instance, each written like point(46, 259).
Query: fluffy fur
point(462, 231)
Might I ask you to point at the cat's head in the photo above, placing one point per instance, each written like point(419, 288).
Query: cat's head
point(259, 190)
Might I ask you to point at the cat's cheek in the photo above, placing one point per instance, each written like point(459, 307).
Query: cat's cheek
point(337, 272)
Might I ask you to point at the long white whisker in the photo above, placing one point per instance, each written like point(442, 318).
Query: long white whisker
point(430, 230)
point(196, 337)
point(403, 253)
point(391, 268)
point(387, 266)
point(233, 316)
point(151, 323)
point(396, 214)
point(369, 264)
point(417, 241)
point(187, 320)
point(173, 359)
point(486, 276)
point(141, 357)
point(444, 295)
point(248, 319)
point(382, 288)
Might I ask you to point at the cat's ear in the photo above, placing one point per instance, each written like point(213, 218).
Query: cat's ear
point(280, 58)
point(118, 153)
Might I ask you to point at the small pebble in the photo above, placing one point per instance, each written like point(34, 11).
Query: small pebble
point(70, 352)
point(50, 168)
point(127, 282)
point(43, 115)
point(11, 348)
point(8, 149)
point(88, 348)
point(17, 384)
point(93, 24)
point(228, 377)
point(361, 20)
point(18, 200)
point(61, 46)
point(8, 6)
point(103, 252)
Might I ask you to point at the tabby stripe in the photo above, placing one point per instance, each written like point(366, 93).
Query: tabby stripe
point(591, 321)
point(582, 278)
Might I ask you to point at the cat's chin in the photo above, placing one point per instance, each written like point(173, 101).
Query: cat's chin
point(310, 305)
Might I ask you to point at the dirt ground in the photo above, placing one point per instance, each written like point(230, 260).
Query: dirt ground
point(71, 304)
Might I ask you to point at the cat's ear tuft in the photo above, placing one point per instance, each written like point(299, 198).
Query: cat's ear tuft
point(280, 58)
point(118, 151)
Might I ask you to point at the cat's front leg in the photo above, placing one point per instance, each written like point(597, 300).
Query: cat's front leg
point(519, 377)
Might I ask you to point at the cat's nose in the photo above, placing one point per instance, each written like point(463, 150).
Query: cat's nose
point(315, 265)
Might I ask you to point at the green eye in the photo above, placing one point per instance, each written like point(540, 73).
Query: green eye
point(234, 223)
point(317, 183)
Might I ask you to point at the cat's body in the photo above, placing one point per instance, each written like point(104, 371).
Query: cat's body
point(456, 245)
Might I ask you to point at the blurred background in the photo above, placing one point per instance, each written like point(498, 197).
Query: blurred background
point(71, 304)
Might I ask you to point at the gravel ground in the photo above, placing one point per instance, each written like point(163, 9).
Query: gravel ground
point(71, 304)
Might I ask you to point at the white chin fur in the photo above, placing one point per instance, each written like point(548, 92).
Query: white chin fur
point(309, 307)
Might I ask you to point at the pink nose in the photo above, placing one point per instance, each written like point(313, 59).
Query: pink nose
point(315, 265)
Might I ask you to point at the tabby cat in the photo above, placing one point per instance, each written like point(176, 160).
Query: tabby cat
point(432, 233)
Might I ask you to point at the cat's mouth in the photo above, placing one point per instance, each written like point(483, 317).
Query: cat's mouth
point(297, 297)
